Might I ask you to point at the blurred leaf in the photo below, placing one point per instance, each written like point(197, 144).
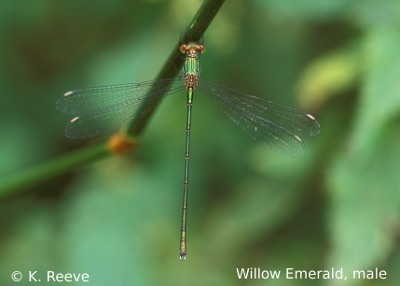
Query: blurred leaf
point(370, 13)
point(364, 181)
point(380, 94)
point(119, 214)
point(253, 212)
point(365, 205)
point(310, 9)
point(328, 76)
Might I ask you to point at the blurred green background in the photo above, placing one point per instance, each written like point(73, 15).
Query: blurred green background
point(119, 218)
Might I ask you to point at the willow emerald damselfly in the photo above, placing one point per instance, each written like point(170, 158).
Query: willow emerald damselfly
point(106, 109)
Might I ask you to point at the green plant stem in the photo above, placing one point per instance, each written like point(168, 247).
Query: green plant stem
point(37, 174)
point(40, 173)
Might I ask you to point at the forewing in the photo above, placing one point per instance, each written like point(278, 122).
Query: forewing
point(278, 126)
point(103, 110)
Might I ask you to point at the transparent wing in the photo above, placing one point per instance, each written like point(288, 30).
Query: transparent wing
point(278, 126)
point(103, 110)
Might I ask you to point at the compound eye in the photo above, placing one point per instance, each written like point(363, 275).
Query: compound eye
point(202, 48)
point(183, 49)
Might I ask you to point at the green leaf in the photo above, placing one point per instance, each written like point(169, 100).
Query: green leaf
point(380, 101)
point(365, 206)
point(364, 180)
point(329, 75)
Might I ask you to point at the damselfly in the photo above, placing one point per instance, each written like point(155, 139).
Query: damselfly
point(104, 110)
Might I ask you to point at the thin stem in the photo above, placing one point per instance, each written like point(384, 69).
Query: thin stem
point(40, 173)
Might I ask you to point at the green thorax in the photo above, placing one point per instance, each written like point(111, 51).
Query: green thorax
point(192, 65)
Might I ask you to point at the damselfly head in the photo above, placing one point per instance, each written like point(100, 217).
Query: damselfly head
point(192, 49)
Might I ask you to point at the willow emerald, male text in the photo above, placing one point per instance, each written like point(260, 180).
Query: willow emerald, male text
point(289, 273)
